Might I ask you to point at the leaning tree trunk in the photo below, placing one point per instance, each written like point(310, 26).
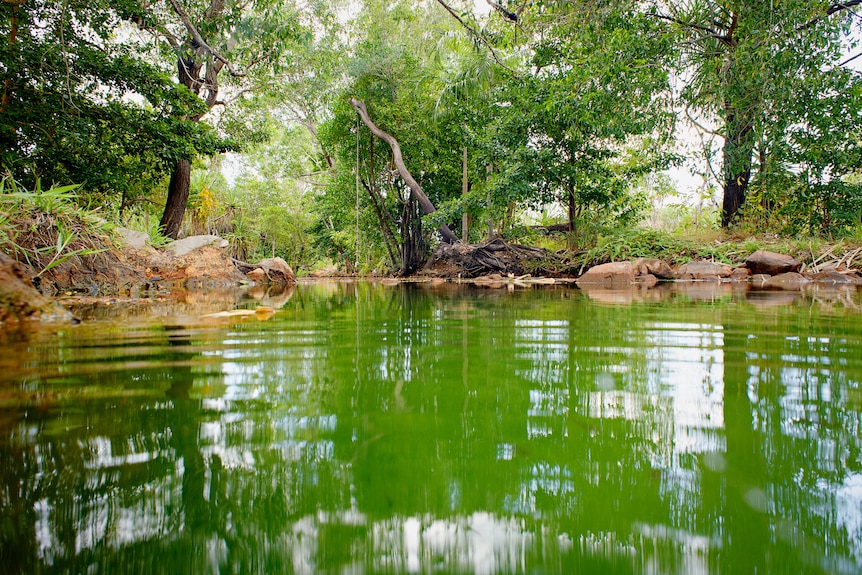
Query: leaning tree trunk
point(415, 189)
point(738, 148)
point(178, 197)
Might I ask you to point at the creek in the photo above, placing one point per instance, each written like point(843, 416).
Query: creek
point(366, 428)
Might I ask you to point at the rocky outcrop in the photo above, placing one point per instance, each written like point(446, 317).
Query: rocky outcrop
point(20, 301)
point(610, 275)
point(771, 263)
point(647, 273)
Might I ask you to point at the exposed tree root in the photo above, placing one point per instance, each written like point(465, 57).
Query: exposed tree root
point(495, 256)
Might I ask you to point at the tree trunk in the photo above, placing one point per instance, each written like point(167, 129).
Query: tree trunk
point(415, 189)
point(200, 58)
point(573, 217)
point(13, 38)
point(178, 196)
point(738, 147)
point(465, 220)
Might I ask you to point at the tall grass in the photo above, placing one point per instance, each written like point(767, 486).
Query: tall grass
point(46, 228)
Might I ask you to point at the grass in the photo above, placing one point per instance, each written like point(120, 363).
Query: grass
point(678, 248)
point(46, 228)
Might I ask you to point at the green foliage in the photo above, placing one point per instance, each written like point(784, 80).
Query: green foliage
point(141, 221)
point(767, 73)
point(632, 243)
point(82, 102)
point(270, 209)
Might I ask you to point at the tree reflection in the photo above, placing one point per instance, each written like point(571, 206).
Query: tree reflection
point(404, 429)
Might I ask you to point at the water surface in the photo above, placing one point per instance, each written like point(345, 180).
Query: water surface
point(410, 428)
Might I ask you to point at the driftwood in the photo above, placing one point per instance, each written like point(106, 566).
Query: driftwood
point(495, 256)
point(415, 188)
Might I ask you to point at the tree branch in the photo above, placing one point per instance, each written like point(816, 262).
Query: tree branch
point(692, 25)
point(833, 9)
point(502, 10)
point(198, 39)
point(850, 59)
point(478, 36)
point(415, 188)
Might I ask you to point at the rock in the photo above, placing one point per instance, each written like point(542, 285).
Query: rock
point(610, 296)
point(19, 300)
point(704, 291)
point(832, 277)
point(766, 299)
point(759, 279)
point(791, 281)
point(277, 271)
point(182, 247)
point(770, 263)
point(611, 275)
point(648, 280)
point(740, 274)
point(653, 266)
point(133, 239)
point(257, 275)
point(703, 270)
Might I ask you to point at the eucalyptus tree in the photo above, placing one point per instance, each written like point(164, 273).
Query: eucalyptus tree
point(769, 73)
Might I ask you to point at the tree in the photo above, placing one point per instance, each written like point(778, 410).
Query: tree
point(207, 37)
point(82, 104)
point(370, 209)
point(757, 67)
point(587, 115)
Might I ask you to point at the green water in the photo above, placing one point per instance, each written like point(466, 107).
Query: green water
point(367, 429)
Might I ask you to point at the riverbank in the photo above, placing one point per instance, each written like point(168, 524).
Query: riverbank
point(124, 265)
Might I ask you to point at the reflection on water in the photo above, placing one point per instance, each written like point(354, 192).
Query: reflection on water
point(413, 429)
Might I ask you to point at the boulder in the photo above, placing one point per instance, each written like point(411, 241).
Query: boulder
point(277, 271)
point(741, 274)
point(704, 270)
point(257, 275)
point(19, 300)
point(133, 239)
point(610, 275)
point(791, 281)
point(770, 263)
point(647, 280)
point(182, 247)
point(653, 266)
point(832, 277)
